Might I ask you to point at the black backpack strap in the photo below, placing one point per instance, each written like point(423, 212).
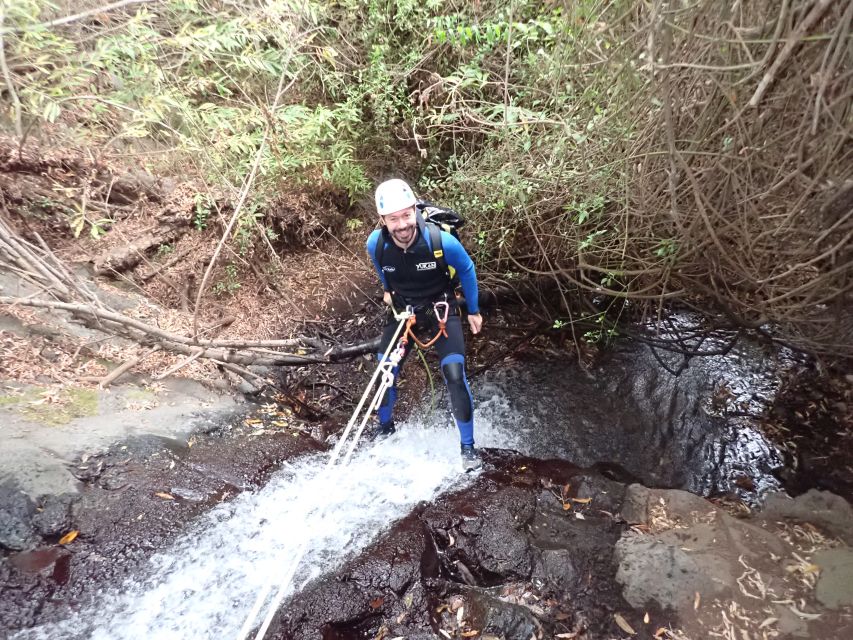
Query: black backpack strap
point(438, 248)
point(380, 247)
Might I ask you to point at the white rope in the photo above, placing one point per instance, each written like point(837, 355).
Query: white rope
point(385, 369)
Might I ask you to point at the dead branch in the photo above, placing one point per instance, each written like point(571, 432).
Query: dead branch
point(169, 263)
point(119, 371)
point(142, 332)
point(795, 38)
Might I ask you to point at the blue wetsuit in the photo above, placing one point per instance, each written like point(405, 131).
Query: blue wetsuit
point(413, 277)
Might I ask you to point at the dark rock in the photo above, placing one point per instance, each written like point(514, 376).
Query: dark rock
point(556, 568)
point(502, 619)
point(496, 541)
point(16, 514)
point(54, 519)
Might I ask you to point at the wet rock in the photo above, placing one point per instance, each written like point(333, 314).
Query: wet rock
point(54, 519)
point(570, 544)
point(16, 513)
point(495, 617)
point(605, 494)
point(822, 508)
point(556, 568)
point(835, 585)
point(496, 541)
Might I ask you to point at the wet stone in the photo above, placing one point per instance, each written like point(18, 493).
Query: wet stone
point(556, 569)
point(502, 619)
point(54, 519)
point(16, 513)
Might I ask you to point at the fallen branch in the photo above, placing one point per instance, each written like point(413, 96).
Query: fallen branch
point(180, 365)
point(141, 332)
point(119, 371)
point(170, 262)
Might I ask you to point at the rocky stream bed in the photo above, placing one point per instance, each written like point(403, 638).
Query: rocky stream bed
point(580, 526)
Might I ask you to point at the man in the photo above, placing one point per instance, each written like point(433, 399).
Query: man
point(411, 275)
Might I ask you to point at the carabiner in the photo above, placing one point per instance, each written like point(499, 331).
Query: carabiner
point(408, 312)
point(442, 319)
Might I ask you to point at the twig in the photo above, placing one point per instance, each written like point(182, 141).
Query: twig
point(170, 262)
point(76, 16)
point(179, 365)
point(808, 22)
point(7, 75)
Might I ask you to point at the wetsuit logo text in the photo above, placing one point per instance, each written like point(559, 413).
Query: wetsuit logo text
point(424, 266)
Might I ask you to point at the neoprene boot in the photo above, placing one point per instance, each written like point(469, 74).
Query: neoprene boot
point(383, 430)
point(470, 458)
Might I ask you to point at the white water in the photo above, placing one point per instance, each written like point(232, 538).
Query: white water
point(205, 585)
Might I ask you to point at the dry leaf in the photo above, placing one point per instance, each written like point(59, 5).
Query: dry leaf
point(567, 506)
point(470, 634)
point(803, 614)
point(579, 515)
point(623, 624)
point(164, 495)
point(696, 600)
point(376, 603)
point(573, 634)
point(646, 618)
point(69, 537)
point(767, 622)
point(460, 615)
point(659, 633)
point(582, 500)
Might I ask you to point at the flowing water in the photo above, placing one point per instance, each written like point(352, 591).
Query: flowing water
point(204, 586)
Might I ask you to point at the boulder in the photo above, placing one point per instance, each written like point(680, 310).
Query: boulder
point(826, 510)
point(835, 585)
point(16, 514)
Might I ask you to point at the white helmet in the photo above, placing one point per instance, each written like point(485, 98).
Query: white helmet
point(393, 196)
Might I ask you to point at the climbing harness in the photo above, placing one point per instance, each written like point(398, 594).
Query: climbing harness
point(442, 325)
point(384, 373)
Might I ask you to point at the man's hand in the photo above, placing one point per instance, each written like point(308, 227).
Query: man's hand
point(386, 298)
point(475, 321)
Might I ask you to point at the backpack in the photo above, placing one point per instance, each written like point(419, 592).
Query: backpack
point(432, 220)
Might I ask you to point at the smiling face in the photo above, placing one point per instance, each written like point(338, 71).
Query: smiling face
point(403, 227)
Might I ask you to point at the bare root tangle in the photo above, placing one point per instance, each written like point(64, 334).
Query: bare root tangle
point(718, 166)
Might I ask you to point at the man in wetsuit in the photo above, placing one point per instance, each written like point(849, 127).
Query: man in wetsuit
point(411, 275)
